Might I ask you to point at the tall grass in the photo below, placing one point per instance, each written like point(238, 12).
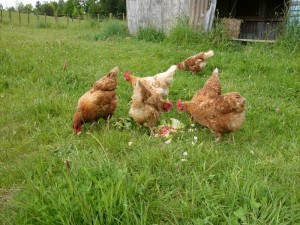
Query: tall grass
point(112, 29)
point(121, 175)
point(150, 34)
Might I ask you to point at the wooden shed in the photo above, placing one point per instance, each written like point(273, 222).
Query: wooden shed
point(261, 19)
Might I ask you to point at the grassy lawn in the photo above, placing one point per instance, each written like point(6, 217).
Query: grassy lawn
point(254, 180)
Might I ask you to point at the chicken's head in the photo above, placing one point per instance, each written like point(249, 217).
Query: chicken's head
point(180, 105)
point(180, 65)
point(77, 127)
point(167, 106)
point(127, 76)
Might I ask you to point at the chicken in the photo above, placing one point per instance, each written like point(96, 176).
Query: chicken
point(195, 63)
point(158, 83)
point(222, 114)
point(100, 102)
point(211, 88)
point(147, 105)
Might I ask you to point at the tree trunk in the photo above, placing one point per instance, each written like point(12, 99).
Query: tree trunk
point(202, 14)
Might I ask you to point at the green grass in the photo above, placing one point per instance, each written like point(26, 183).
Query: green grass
point(255, 180)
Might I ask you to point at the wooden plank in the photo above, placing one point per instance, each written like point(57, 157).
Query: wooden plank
point(256, 19)
point(253, 40)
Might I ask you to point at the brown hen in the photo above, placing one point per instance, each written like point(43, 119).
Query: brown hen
point(196, 62)
point(147, 105)
point(222, 114)
point(99, 102)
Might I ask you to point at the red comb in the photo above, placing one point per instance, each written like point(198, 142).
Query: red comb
point(178, 103)
point(127, 75)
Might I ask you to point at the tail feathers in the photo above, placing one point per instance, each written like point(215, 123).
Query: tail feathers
point(172, 69)
point(216, 72)
point(208, 54)
point(202, 65)
point(168, 75)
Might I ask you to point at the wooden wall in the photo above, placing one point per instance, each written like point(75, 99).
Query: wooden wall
point(161, 14)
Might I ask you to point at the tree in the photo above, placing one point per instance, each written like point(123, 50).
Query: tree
point(28, 8)
point(11, 9)
point(21, 7)
point(92, 7)
point(69, 7)
point(1, 6)
point(48, 8)
point(75, 12)
point(113, 6)
point(60, 7)
point(55, 4)
point(38, 6)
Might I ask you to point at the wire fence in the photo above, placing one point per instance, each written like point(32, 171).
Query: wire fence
point(31, 19)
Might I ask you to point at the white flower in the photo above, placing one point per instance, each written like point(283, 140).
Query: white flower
point(193, 143)
point(195, 138)
point(252, 152)
point(168, 141)
point(130, 143)
point(185, 153)
point(192, 125)
point(183, 160)
point(190, 130)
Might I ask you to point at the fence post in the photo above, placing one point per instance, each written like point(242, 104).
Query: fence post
point(45, 18)
point(28, 19)
point(19, 18)
point(1, 16)
point(110, 15)
point(38, 17)
point(9, 14)
point(68, 19)
point(123, 16)
point(98, 17)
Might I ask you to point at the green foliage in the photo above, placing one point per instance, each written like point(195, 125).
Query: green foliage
point(150, 34)
point(48, 9)
point(28, 8)
point(69, 7)
point(182, 35)
point(112, 29)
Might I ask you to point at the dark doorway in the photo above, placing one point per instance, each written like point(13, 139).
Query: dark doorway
point(262, 19)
